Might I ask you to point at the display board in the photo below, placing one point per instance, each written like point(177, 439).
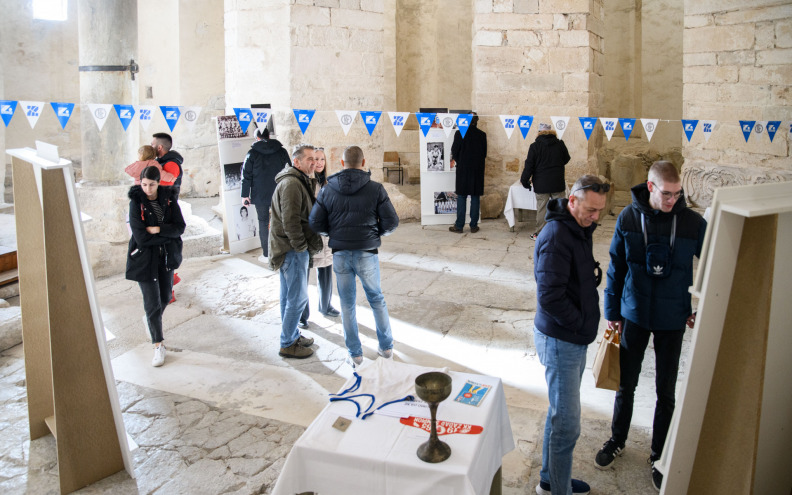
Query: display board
point(438, 179)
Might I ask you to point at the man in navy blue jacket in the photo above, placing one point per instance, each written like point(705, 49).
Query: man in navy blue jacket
point(566, 321)
point(355, 212)
point(647, 294)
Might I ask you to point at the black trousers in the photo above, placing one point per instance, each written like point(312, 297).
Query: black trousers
point(668, 347)
point(156, 296)
point(324, 285)
point(262, 210)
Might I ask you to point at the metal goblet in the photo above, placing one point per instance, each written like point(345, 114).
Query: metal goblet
point(433, 387)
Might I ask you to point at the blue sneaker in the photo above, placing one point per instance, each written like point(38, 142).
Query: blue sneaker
point(578, 487)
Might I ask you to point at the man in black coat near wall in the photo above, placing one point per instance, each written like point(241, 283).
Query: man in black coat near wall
point(469, 153)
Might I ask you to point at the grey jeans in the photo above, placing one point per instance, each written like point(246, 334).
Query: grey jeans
point(541, 207)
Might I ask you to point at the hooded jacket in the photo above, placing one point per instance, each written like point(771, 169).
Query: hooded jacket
point(146, 251)
point(291, 206)
point(544, 165)
point(354, 211)
point(172, 163)
point(650, 302)
point(263, 162)
point(566, 284)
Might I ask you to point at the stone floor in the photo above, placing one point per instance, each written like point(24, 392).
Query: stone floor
point(222, 413)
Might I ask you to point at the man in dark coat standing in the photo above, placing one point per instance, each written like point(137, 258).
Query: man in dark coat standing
point(469, 153)
point(264, 161)
point(544, 166)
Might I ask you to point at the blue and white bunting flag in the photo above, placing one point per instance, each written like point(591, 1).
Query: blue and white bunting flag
point(760, 127)
point(588, 124)
point(649, 125)
point(425, 121)
point(509, 123)
point(261, 116)
point(524, 123)
point(561, 124)
point(145, 114)
point(190, 115)
point(32, 111)
point(447, 120)
point(627, 126)
point(463, 122)
point(244, 117)
point(370, 120)
point(100, 113)
point(609, 124)
point(689, 127)
point(772, 128)
point(304, 118)
point(7, 109)
point(346, 118)
point(125, 114)
point(63, 111)
point(708, 127)
point(171, 114)
point(746, 126)
point(398, 119)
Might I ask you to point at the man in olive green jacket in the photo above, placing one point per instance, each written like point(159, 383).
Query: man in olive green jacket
point(292, 243)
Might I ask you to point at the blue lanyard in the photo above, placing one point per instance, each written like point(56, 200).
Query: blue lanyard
point(353, 388)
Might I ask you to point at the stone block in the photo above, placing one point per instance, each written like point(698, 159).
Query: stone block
point(303, 15)
point(700, 92)
point(506, 6)
point(10, 327)
point(745, 15)
point(783, 34)
point(570, 60)
point(623, 170)
point(488, 38)
point(483, 6)
point(513, 165)
point(566, 6)
point(707, 75)
point(706, 58)
point(781, 96)
point(561, 22)
point(697, 21)
point(373, 6)
point(522, 38)
point(744, 94)
point(576, 38)
point(778, 56)
point(499, 59)
point(356, 18)
point(778, 74)
point(742, 57)
point(577, 81)
point(333, 4)
point(349, 4)
point(526, 6)
point(549, 38)
point(496, 21)
point(365, 40)
point(765, 36)
point(718, 39)
point(328, 36)
point(531, 82)
point(491, 205)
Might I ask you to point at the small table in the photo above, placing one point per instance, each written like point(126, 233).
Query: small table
point(378, 454)
point(519, 197)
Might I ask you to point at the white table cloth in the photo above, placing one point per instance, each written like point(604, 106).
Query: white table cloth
point(519, 197)
point(378, 454)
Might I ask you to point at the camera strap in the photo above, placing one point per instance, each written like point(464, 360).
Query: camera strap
point(673, 230)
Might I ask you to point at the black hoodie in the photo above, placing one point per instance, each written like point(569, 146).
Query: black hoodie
point(544, 166)
point(263, 162)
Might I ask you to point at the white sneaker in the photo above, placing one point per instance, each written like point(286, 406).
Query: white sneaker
point(263, 259)
point(159, 356)
point(387, 353)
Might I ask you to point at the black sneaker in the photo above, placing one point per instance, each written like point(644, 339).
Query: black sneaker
point(657, 476)
point(607, 454)
point(578, 488)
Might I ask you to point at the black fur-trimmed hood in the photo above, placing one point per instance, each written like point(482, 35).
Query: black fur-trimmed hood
point(164, 194)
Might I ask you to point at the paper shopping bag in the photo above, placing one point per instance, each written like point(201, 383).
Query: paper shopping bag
point(606, 364)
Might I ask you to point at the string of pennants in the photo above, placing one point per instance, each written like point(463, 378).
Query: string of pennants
point(346, 118)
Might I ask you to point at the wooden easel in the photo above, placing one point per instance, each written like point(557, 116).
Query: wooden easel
point(70, 385)
point(732, 429)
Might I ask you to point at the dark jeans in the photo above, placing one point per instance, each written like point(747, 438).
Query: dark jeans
point(156, 296)
point(475, 209)
point(668, 347)
point(324, 285)
point(262, 210)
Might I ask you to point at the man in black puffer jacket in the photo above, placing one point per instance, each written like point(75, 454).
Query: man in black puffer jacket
point(264, 161)
point(566, 321)
point(355, 212)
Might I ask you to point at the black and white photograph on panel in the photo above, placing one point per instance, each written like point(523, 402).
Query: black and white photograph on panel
point(435, 157)
point(445, 202)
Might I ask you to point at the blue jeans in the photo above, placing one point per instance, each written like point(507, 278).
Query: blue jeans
point(350, 264)
point(475, 209)
point(564, 364)
point(293, 294)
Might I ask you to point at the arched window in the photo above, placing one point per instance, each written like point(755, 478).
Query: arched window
point(50, 10)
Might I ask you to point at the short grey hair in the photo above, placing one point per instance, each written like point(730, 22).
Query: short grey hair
point(297, 150)
point(584, 184)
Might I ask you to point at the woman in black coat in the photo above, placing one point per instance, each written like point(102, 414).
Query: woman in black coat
point(155, 249)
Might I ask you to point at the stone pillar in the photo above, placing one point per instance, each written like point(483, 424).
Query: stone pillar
point(107, 36)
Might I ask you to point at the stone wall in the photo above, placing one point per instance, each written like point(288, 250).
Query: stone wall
point(737, 66)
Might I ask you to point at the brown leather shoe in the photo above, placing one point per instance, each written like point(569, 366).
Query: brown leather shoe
point(296, 351)
point(305, 341)
point(474, 229)
point(454, 229)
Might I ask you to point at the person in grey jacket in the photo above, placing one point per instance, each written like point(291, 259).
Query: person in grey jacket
point(356, 212)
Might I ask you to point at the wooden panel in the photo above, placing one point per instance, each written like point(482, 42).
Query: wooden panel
point(33, 297)
point(726, 454)
point(88, 446)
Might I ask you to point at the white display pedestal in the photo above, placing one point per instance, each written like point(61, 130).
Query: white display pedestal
point(437, 176)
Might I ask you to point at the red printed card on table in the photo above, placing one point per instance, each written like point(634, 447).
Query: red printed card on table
point(443, 427)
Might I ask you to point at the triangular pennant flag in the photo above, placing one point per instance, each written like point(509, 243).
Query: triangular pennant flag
point(772, 128)
point(649, 126)
point(746, 126)
point(627, 126)
point(190, 115)
point(708, 127)
point(244, 117)
point(398, 119)
point(760, 127)
point(261, 116)
point(609, 124)
point(509, 122)
point(63, 111)
point(171, 115)
point(125, 114)
point(145, 114)
point(304, 118)
point(588, 124)
point(7, 109)
point(463, 122)
point(447, 120)
point(524, 123)
point(370, 120)
point(100, 113)
point(346, 118)
point(560, 124)
point(32, 111)
point(689, 126)
point(425, 121)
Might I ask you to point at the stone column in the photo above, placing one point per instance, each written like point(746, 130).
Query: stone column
point(107, 36)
